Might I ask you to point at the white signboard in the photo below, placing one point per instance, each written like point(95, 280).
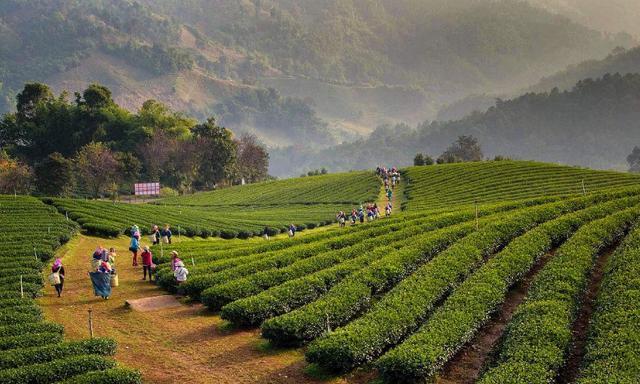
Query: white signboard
point(147, 189)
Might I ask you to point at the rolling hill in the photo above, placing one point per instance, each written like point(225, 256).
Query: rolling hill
point(348, 65)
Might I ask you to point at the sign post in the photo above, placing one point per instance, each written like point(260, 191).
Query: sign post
point(146, 189)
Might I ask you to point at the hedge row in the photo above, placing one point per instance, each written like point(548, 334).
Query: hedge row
point(217, 296)
point(225, 270)
point(207, 274)
point(109, 376)
point(253, 310)
point(539, 334)
point(613, 347)
point(57, 370)
point(36, 355)
point(403, 309)
point(353, 295)
point(473, 302)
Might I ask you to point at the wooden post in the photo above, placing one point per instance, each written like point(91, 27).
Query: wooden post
point(584, 190)
point(91, 323)
point(35, 253)
point(328, 324)
point(477, 222)
point(21, 288)
point(193, 262)
point(66, 214)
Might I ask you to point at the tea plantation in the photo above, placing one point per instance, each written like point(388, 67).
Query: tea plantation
point(401, 296)
point(404, 295)
point(240, 211)
point(33, 350)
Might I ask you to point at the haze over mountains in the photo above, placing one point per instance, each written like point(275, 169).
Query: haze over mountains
point(317, 73)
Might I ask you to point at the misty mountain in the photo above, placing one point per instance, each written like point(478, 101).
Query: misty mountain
point(619, 61)
point(611, 15)
point(594, 124)
point(338, 67)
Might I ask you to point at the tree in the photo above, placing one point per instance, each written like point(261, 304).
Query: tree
point(54, 175)
point(216, 150)
point(253, 159)
point(15, 177)
point(428, 160)
point(634, 160)
point(32, 94)
point(129, 167)
point(465, 148)
point(97, 96)
point(97, 168)
point(418, 160)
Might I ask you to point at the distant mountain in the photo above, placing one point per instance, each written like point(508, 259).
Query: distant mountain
point(605, 15)
point(619, 61)
point(594, 124)
point(338, 67)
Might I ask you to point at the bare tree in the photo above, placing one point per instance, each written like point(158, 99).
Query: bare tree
point(15, 177)
point(253, 159)
point(97, 168)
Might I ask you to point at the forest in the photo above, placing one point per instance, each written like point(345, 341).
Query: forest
point(91, 146)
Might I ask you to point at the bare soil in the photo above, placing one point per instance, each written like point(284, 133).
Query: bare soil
point(467, 365)
point(580, 327)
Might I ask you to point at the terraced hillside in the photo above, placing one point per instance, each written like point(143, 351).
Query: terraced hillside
point(241, 211)
point(31, 349)
point(415, 295)
point(449, 185)
point(341, 188)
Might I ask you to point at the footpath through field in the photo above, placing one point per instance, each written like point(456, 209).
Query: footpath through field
point(170, 345)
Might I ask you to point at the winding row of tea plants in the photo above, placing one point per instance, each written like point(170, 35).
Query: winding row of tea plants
point(341, 188)
point(31, 349)
point(240, 211)
point(431, 187)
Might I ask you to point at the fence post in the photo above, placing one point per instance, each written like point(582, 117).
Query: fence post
point(477, 222)
point(193, 262)
point(91, 323)
point(584, 190)
point(21, 288)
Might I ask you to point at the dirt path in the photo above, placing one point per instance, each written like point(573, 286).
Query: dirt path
point(183, 344)
point(396, 198)
point(466, 366)
point(580, 327)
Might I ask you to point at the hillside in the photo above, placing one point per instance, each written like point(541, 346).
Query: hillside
point(619, 61)
point(413, 295)
point(240, 211)
point(613, 16)
point(594, 124)
point(448, 185)
point(349, 65)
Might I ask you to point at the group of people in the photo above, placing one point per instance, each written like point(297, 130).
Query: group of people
point(148, 267)
point(390, 176)
point(103, 272)
point(369, 211)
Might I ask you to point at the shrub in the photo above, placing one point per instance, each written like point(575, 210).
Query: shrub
point(226, 234)
point(42, 354)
